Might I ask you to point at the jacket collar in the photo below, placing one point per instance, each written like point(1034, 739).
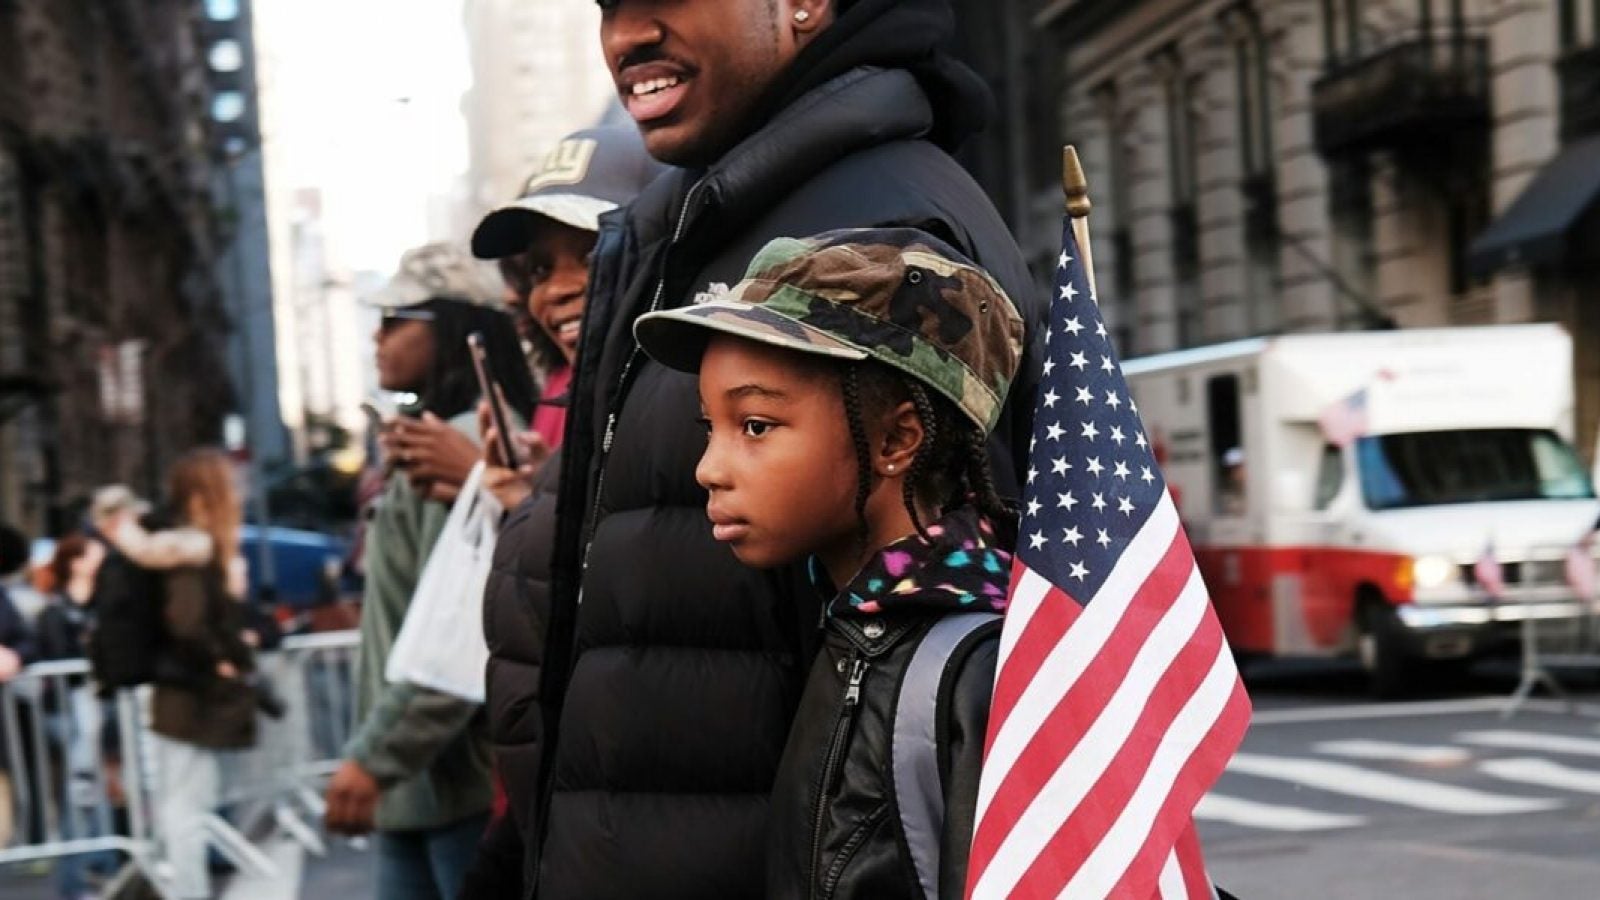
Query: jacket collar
point(959, 566)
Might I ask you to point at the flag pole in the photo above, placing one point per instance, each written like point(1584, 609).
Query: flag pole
point(1075, 187)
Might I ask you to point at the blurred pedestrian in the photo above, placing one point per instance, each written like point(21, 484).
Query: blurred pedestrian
point(78, 718)
point(789, 118)
point(204, 701)
point(417, 766)
point(542, 242)
point(17, 649)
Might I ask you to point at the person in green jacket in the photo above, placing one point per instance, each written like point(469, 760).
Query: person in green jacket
point(416, 769)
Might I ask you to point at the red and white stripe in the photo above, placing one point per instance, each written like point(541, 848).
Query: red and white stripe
point(1109, 721)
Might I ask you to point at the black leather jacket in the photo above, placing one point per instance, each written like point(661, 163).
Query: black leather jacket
point(857, 810)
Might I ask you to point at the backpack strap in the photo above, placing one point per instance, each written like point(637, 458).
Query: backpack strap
point(914, 750)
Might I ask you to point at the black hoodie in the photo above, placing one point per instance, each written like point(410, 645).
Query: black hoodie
point(656, 710)
point(894, 34)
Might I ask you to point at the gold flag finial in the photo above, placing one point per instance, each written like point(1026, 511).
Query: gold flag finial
point(1074, 184)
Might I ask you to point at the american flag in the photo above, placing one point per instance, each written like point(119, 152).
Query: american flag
point(1345, 420)
point(1117, 703)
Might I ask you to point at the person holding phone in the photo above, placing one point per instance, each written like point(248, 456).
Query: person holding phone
point(542, 242)
point(416, 768)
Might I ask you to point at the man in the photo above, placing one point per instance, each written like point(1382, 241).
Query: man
point(667, 694)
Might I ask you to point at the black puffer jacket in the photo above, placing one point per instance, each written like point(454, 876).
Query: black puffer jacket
point(675, 679)
point(516, 608)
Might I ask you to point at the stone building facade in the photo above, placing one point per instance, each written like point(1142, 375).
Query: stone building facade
point(537, 75)
point(1267, 166)
point(112, 325)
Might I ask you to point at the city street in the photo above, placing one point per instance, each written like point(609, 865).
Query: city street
point(1335, 797)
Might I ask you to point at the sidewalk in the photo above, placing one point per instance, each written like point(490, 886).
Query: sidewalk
point(345, 872)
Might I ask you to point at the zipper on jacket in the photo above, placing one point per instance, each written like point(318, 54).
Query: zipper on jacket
point(610, 434)
point(832, 764)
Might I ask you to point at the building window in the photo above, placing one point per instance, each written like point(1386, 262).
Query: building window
point(1579, 23)
point(1253, 81)
point(1341, 29)
point(1182, 152)
point(1117, 172)
point(1354, 246)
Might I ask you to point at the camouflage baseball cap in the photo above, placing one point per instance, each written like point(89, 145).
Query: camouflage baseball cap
point(896, 295)
point(439, 271)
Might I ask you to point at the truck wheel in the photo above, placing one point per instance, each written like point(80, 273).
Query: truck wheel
point(1391, 673)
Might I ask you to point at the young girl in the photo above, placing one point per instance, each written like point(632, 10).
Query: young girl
point(848, 384)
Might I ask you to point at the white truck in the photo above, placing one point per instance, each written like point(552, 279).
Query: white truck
point(1406, 496)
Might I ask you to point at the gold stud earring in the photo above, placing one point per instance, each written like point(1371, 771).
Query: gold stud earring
point(801, 16)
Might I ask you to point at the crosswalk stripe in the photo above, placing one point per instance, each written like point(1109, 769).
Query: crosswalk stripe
point(1426, 754)
point(1270, 816)
point(1529, 740)
point(1543, 772)
point(1355, 781)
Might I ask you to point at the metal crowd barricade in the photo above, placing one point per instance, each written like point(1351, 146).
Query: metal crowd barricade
point(61, 794)
point(1562, 639)
point(62, 798)
point(278, 779)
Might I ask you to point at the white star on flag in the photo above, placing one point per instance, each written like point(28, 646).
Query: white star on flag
point(1084, 396)
point(1050, 398)
point(1094, 466)
point(1036, 540)
point(1079, 571)
point(1089, 431)
point(1112, 400)
point(1067, 501)
point(1073, 327)
point(1033, 507)
point(1059, 466)
point(1117, 435)
point(1125, 506)
point(1073, 536)
point(1055, 431)
point(1079, 362)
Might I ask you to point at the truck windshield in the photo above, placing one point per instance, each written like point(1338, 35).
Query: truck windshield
point(1431, 468)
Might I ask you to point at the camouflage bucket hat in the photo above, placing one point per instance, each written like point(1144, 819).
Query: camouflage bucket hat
point(896, 295)
point(439, 271)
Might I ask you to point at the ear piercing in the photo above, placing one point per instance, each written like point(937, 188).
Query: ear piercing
point(890, 467)
point(801, 16)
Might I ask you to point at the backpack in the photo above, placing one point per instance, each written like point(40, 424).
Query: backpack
point(922, 702)
point(125, 641)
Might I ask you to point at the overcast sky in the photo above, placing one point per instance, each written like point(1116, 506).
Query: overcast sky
point(366, 105)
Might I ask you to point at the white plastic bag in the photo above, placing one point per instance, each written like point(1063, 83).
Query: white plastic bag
point(441, 644)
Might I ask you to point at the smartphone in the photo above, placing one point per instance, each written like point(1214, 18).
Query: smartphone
point(491, 392)
point(375, 417)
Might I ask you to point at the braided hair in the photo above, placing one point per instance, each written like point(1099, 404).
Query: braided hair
point(951, 466)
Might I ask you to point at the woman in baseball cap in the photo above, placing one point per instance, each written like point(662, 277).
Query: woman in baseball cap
point(542, 241)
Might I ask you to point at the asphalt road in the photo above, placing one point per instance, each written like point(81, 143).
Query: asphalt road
point(1332, 796)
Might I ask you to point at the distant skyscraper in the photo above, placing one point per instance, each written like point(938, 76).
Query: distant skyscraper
point(537, 74)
